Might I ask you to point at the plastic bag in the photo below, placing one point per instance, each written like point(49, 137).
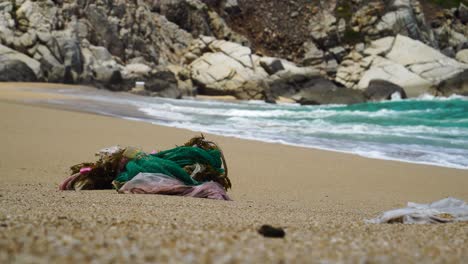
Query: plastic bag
point(157, 183)
point(444, 211)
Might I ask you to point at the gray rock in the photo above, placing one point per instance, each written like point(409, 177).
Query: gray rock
point(195, 17)
point(380, 47)
point(25, 41)
point(409, 63)
point(382, 90)
point(163, 84)
point(232, 7)
point(462, 56)
point(54, 71)
point(290, 87)
point(225, 68)
point(463, 13)
point(272, 67)
point(457, 84)
point(338, 52)
point(323, 29)
point(100, 53)
point(108, 76)
point(384, 69)
point(312, 55)
point(449, 52)
point(252, 90)
point(423, 60)
point(312, 91)
point(37, 15)
point(7, 54)
point(70, 51)
point(107, 33)
point(136, 70)
point(321, 91)
point(15, 71)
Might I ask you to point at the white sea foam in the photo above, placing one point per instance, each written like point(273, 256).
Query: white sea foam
point(427, 97)
point(377, 133)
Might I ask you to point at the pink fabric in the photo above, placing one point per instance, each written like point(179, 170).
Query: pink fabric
point(67, 183)
point(85, 170)
point(155, 183)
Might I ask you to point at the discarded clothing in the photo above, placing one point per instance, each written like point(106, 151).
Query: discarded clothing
point(444, 211)
point(198, 169)
point(156, 183)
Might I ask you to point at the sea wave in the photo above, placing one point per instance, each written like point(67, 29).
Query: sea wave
point(427, 130)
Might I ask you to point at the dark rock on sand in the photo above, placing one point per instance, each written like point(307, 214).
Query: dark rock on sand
point(163, 84)
point(383, 90)
point(332, 96)
point(269, 231)
point(16, 71)
point(315, 91)
point(273, 67)
point(455, 85)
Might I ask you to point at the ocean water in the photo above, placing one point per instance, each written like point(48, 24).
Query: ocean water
point(426, 130)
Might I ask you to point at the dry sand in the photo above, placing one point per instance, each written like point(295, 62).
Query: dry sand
point(320, 198)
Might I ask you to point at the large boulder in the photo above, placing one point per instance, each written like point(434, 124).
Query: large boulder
point(312, 54)
point(54, 70)
point(456, 85)
point(423, 60)
point(163, 84)
point(462, 56)
point(159, 81)
point(225, 67)
point(408, 63)
point(100, 67)
point(384, 69)
point(379, 90)
point(317, 95)
point(7, 54)
point(69, 50)
point(15, 71)
point(312, 90)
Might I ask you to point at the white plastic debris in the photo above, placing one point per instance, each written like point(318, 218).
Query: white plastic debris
point(444, 211)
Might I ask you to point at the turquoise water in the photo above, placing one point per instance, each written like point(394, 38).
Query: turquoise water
point(426, 130)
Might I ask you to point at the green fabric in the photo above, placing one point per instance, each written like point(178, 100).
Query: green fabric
point(171, 163)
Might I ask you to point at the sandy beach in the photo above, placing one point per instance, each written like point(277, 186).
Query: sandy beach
point(320, 198)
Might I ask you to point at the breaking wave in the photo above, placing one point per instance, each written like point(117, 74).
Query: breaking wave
point(428, 130)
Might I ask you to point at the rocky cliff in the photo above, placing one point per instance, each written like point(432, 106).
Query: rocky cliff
point(313, 52)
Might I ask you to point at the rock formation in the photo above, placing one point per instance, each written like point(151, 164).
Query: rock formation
point(311, 52)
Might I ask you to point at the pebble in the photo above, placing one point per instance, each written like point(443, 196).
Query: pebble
point(269, 231)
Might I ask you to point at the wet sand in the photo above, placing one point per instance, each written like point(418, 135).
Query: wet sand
point(320, 198)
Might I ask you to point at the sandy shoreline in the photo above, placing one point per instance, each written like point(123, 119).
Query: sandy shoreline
point(321, 199)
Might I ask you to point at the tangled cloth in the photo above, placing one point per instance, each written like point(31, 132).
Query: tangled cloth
point(197, 169)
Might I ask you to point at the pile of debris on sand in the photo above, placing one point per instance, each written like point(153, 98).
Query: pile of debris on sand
point(196, 169)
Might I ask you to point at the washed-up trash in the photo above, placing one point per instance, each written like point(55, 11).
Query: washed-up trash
point(444, 211)
point(196, 169)
point(156, 183)
point(269, 231)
